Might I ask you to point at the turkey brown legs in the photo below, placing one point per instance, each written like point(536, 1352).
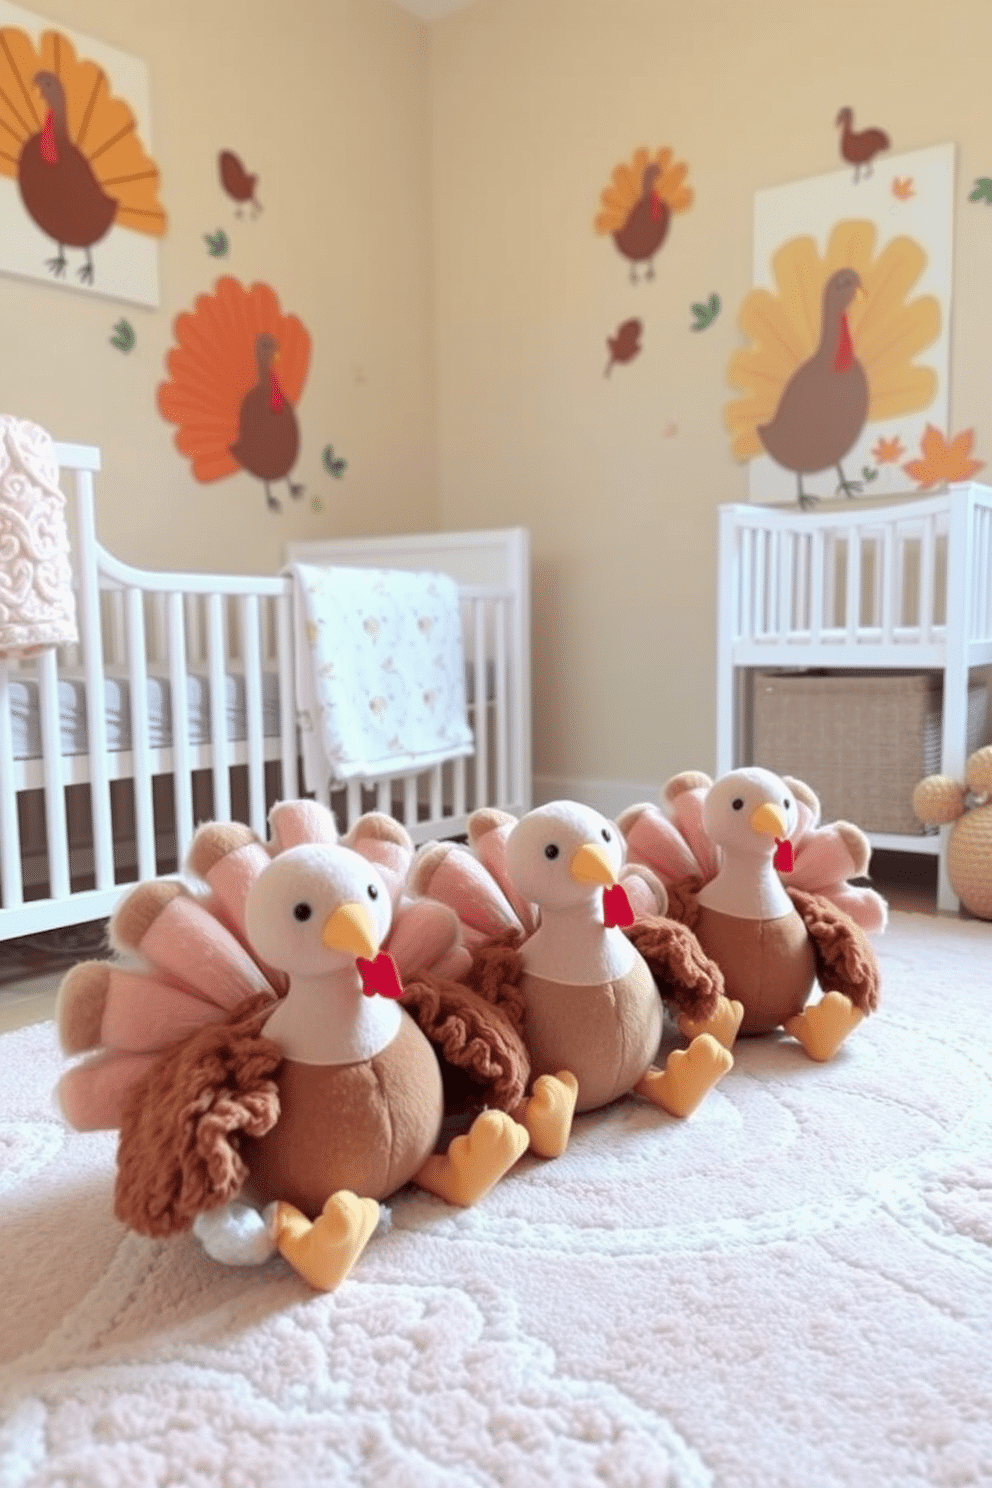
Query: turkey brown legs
point(296, 489)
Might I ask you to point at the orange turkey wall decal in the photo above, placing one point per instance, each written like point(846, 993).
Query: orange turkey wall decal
point(77, 185)
point(637, 207)
point(235, 377)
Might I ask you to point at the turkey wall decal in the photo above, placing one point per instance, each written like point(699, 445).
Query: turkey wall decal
point(832, 350)
point(235, 376)
point(75, 176)
point(636, 208)
point(846, 330)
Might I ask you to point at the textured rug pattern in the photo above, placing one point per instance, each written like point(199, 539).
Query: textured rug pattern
point(792, 1288)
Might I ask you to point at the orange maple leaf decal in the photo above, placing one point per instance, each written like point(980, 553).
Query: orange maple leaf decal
point(888, 451)
point(943, 459)
point(903, 188)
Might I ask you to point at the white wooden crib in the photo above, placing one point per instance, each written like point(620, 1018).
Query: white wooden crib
point(900, 586)
point(178, 705)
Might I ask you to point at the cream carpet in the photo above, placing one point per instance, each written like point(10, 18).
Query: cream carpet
point(794, 1287)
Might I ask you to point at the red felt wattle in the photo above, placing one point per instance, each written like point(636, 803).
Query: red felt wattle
point(655, 206)
point(616, 907)
point(845, 348)
point(276, 399)
point(783, 859)
point(49, 151)
point(380, 977)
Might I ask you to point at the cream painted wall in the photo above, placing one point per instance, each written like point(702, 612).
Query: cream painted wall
point(534, 101)
point(328, 101)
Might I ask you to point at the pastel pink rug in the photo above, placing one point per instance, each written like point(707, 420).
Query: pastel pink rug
point(792, 1288)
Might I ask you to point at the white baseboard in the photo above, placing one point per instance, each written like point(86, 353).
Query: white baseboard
point(607, 796)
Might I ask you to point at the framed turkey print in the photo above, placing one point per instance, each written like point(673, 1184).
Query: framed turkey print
point(847, 361)
point(80, 204)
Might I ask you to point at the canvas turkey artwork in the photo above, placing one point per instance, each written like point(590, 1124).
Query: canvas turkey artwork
point(80, 201)
point(848, 356)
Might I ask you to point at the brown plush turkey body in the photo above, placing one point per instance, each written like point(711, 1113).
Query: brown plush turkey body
point(768, 965)
point(607, 1033)
point(368, 1126)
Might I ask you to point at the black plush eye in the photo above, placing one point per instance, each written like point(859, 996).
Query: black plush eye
point(302, 911)
point(605, 835)
point(738, 803)
point(373, 892)
point(786, 803)
point(551, 851)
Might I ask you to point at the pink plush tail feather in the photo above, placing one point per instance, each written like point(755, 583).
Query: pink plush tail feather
point(653, 840)
point(195, 949)
point(93, 1094)
point(142, 1015)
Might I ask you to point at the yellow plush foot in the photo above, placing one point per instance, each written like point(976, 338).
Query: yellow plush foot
point(723, 1025)
point(475, 1163)
point(822, 1028)
point(324, 1252)
point(688, 1076)
point(548, 1114)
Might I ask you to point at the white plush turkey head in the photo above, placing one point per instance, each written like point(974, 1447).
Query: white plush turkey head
point(315, 908)
point(562, 854)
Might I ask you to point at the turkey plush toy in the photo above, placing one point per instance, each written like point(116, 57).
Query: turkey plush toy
point(555, 919)
point(764, 887)
point(270, 1084)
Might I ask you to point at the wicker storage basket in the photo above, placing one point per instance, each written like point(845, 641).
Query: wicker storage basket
point(861, 739)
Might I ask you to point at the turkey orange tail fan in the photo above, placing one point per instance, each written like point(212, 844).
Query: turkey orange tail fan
point(101, 125)
point(213, 366)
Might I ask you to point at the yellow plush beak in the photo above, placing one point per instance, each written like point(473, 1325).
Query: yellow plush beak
point(350, 929)
point(769, 820)
point(590, 865)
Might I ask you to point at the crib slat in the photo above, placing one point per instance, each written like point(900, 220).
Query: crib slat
point(852, 597)
point(928, 560)
point(353, 803)
point(481, 718)
point(888, 590)
point(287, 718)
point(51, 754)
point(91, 636)
point(144, 812)
point(251, 660)
point(182, 785)
point(410, 801)
point(816, 562)
point(502, 735)
point(220, 750)
point(384, 796)
point(436, 793)
point(11, 878)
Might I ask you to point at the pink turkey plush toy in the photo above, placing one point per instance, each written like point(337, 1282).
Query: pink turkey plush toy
point(554, 916)
point(764, 887)
point(269, 1084)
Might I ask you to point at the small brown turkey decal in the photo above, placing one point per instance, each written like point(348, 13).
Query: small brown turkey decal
point(238, 182)
point(625, 345)
point(235, 377)
point(637, 207)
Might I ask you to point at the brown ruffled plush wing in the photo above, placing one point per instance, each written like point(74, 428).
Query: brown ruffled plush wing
point(682, 973)
point(478, 1041)
point(845, 961)
point(683, 904)
point(178, 1153)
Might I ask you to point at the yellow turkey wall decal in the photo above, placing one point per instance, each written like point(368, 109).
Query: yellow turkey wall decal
point(235, 376)
point(79, 190)
point(847, 330)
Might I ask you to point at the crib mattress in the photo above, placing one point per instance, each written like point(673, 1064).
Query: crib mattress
point(25, 715)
